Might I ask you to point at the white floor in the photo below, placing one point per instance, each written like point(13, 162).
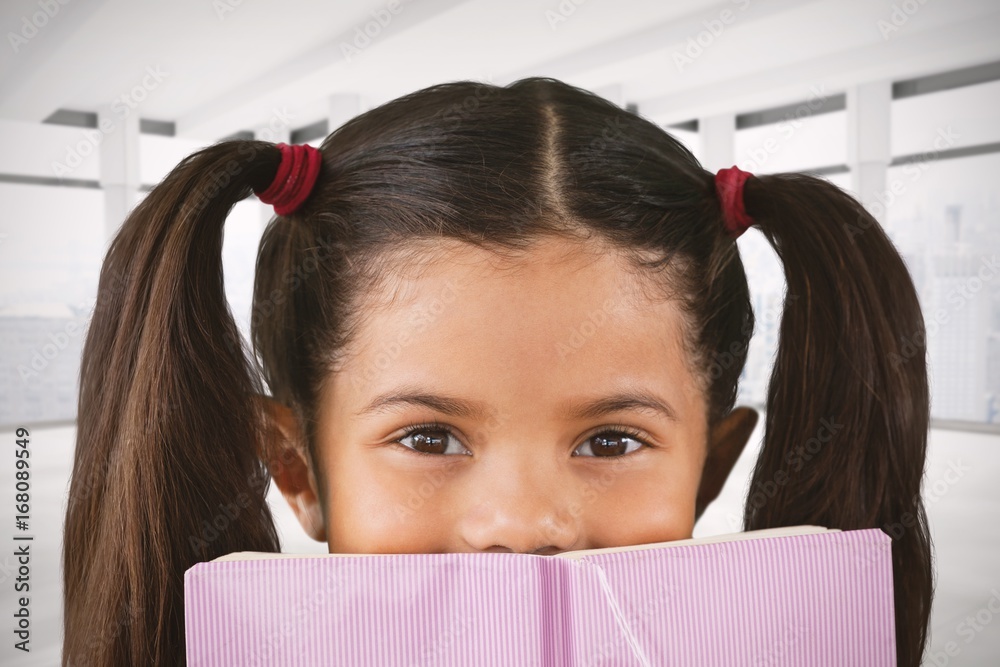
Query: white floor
point(964, 515)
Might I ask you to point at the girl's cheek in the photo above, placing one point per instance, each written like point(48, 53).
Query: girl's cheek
point(643, 502)
point(385, 510)
point(642, 514)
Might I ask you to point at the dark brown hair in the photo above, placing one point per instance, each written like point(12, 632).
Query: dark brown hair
point(171, 467)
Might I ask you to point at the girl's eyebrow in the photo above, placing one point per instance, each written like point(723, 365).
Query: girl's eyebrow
point(409, 395)
point(629, 399)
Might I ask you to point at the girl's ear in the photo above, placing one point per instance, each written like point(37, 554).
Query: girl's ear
point(291, 467)
point(725, 444)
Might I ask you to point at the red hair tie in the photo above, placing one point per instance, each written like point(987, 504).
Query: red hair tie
point(294, 179)
point(729, 186)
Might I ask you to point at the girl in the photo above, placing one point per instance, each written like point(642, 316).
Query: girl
point(468, 297)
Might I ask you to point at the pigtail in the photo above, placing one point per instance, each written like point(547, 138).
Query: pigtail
point(167, 470)
point(847, 404)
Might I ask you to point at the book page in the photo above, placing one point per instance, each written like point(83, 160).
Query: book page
point(709, 539)
point(266, 555)
point(572, 555)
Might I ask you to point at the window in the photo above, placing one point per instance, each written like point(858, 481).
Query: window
point(945, 220)
point(793, 143)
point(946, 224)
point(54, 246)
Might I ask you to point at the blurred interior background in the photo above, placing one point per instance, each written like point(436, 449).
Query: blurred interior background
point(896, 102)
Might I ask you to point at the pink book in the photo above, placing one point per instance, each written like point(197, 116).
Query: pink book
point(801, 595)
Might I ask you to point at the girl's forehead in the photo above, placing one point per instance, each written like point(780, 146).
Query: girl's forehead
point(551, 269)
point(556, 317)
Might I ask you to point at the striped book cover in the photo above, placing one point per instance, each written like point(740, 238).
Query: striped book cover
point(792, 596)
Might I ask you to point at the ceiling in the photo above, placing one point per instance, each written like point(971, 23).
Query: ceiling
point(228, 65)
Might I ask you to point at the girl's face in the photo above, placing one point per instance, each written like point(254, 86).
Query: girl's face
point(536, 406)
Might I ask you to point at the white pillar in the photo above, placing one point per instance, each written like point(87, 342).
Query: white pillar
point(717, 134)
point(868, 139)
point(341, 108)
point(119, 175)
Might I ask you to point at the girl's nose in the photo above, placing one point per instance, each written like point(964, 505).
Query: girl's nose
point(521, 508)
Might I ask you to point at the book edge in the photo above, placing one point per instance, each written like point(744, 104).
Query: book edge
point(764, 533)
point(760, 534)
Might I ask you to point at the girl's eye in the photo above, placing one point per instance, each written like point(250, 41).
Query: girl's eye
point(614, 443)
point(431, 439)
point(438, 439)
